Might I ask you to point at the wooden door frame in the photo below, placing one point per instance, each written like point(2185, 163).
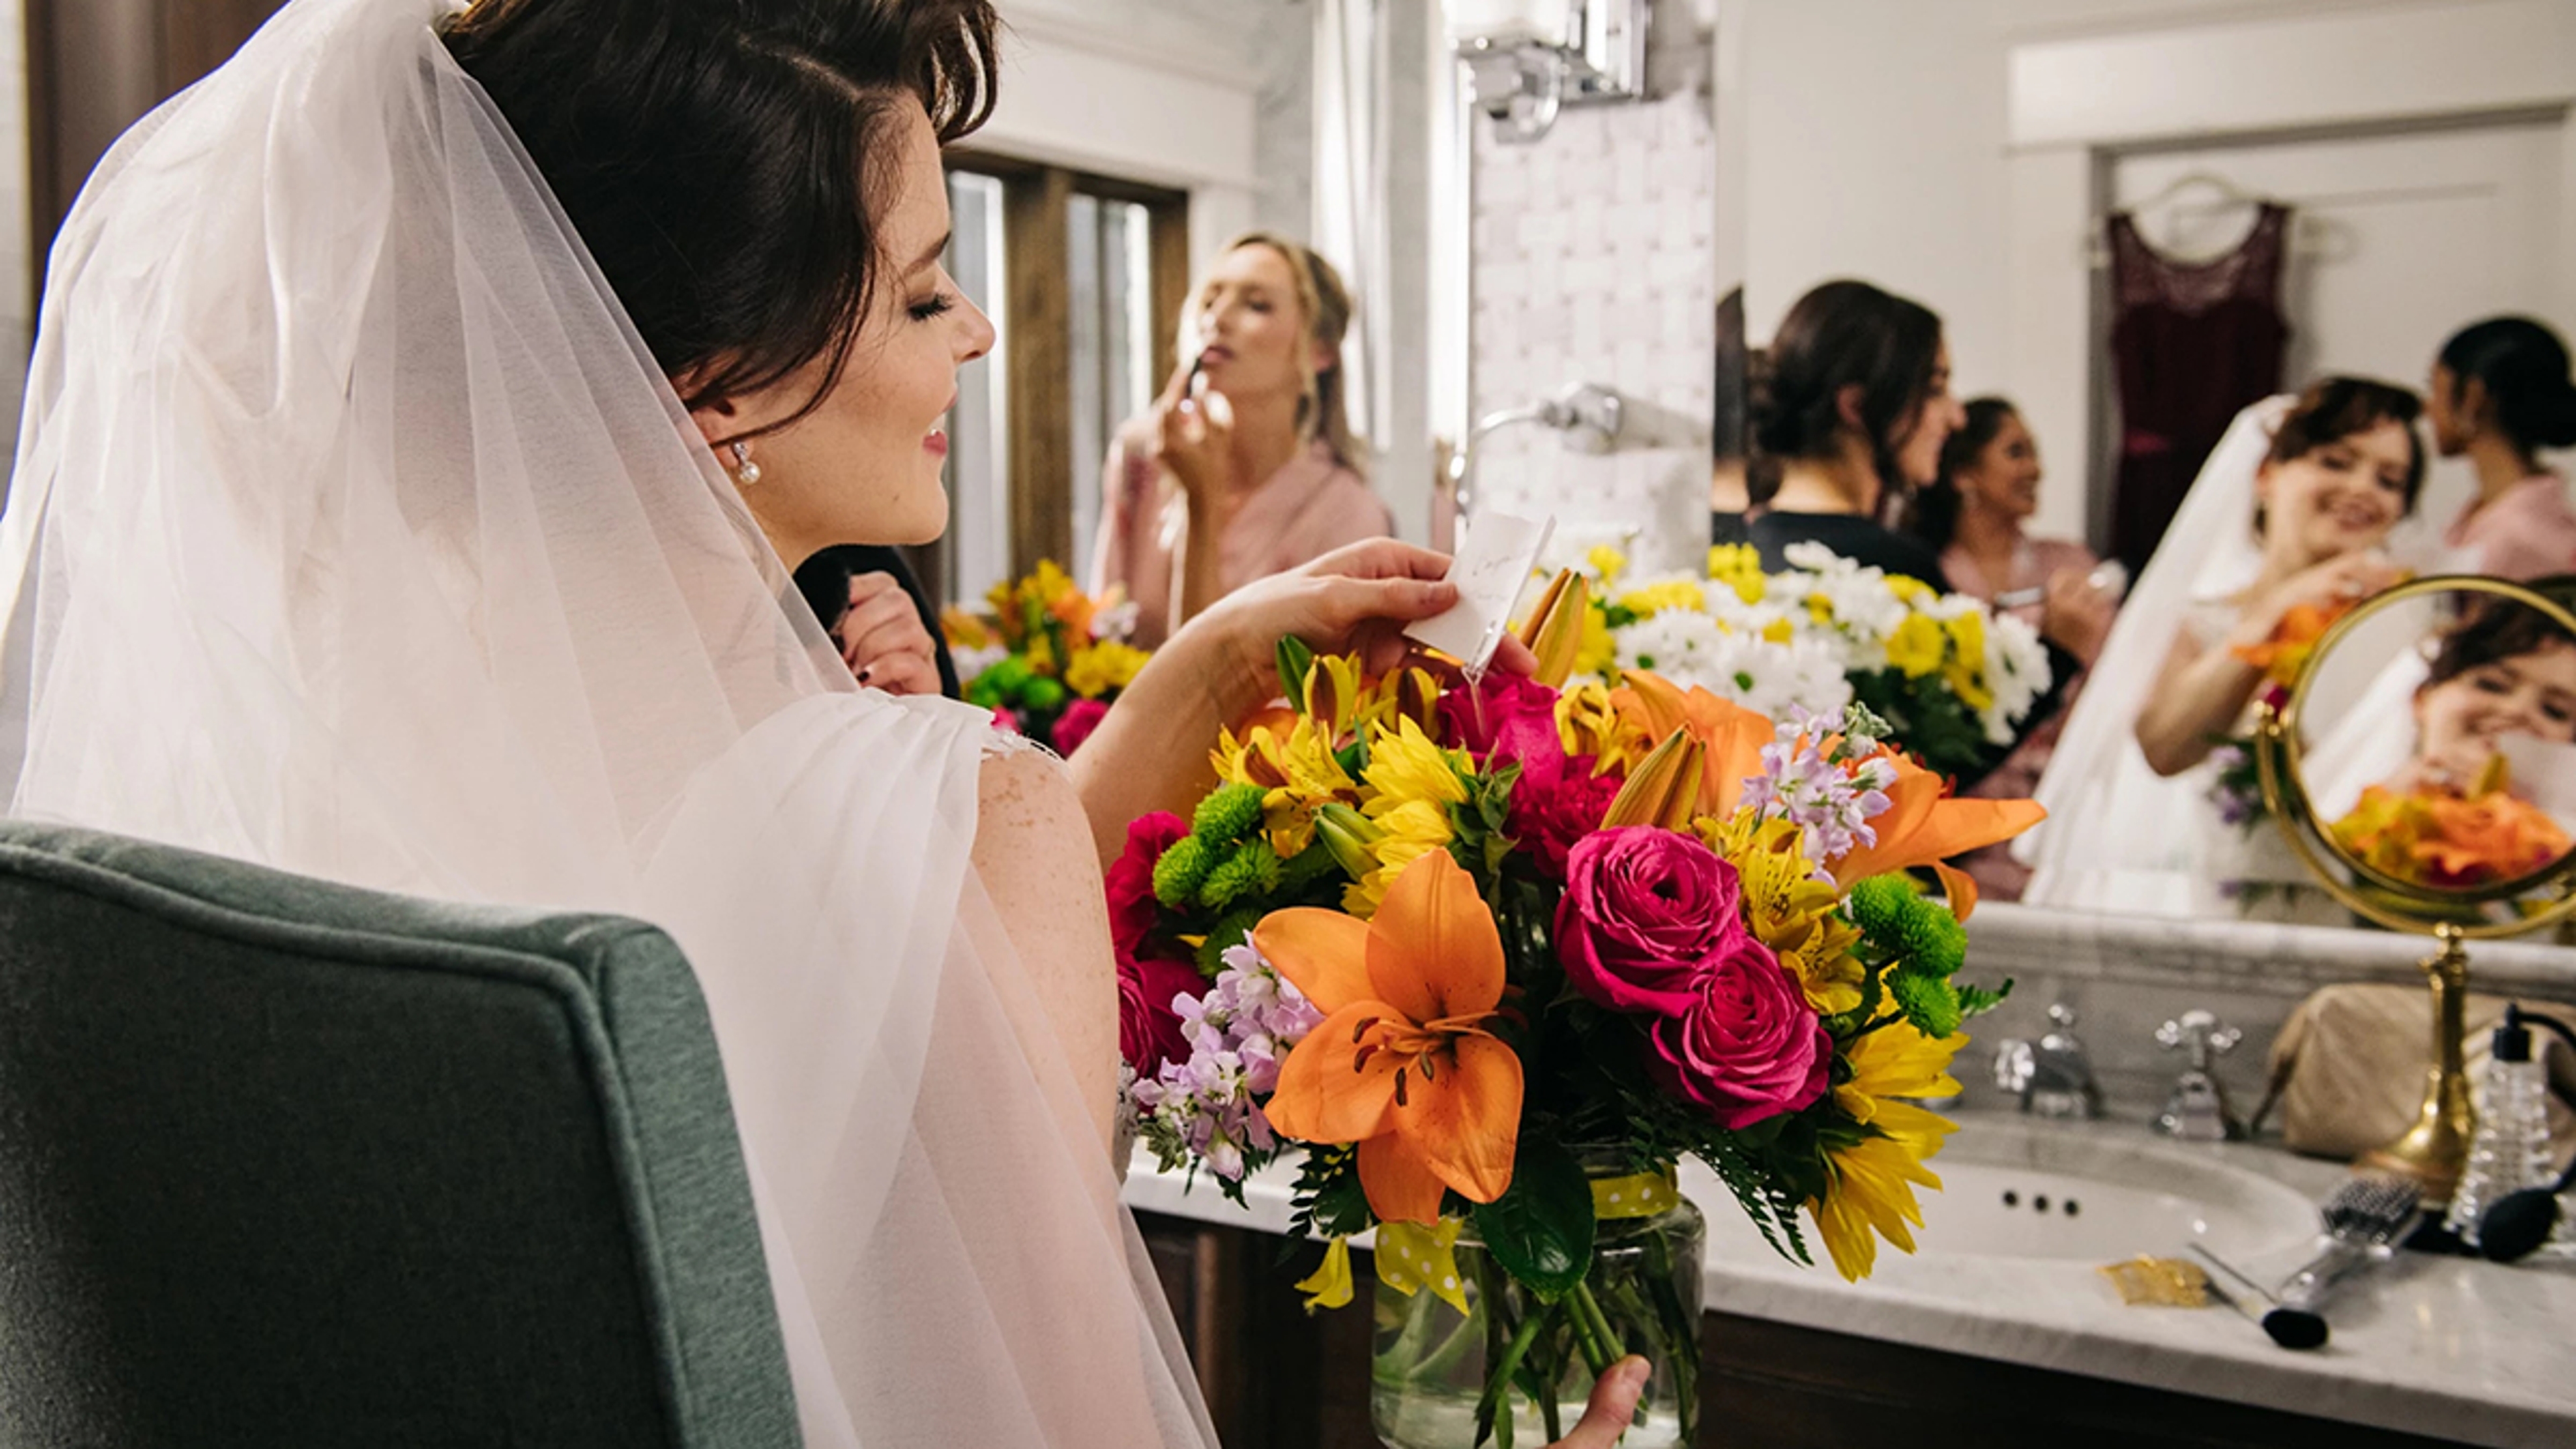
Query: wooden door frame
point(1037, 321)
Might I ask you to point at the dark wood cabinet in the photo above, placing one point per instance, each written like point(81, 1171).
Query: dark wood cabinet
point(1276, 1378)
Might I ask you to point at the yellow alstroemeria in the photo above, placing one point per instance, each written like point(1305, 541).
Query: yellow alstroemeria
point(1298, 773)
point(1408, 693)
point(1663, 791)
point(1789, 909)
point(1412, 1258)
point(1100, 667)
point(1405, 1065)
point(1588, 723)
point(1329, 1286)
point(1333, 693)
point(1917, 646)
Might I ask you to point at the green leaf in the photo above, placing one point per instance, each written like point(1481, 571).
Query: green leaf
point(1295, 662)
point(1540, 1230)
point(1977, 1000)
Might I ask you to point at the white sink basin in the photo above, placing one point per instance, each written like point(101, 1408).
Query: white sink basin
point(2015, 1189)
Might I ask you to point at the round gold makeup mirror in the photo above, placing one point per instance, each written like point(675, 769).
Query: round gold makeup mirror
point(2532, 897)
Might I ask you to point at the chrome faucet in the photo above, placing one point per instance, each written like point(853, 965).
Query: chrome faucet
point(2053, 1078)
point(2198, 1111)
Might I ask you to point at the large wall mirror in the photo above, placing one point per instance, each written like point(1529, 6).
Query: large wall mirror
point(2135, 218)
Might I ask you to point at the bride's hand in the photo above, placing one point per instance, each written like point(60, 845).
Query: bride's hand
point(1612, 1408)
point(2346, 579)
point(1354, 600)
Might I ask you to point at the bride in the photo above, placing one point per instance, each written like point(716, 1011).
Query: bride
point(2292, 510)
point(427, 410)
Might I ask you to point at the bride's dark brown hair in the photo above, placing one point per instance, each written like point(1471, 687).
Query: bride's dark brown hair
point(725, 160)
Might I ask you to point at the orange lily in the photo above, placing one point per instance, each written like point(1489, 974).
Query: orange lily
point(1732, 735)
point(1924, 825)
point(1403, 1063)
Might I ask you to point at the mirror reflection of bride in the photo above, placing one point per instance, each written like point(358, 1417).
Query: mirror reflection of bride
point(2285, 522)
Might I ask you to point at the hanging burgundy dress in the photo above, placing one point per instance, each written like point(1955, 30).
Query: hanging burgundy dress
point(2191, 343)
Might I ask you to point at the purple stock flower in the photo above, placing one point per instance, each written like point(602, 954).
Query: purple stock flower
point(1237, 1031)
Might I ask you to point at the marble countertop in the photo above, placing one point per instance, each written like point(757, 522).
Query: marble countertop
point(2447, 1347)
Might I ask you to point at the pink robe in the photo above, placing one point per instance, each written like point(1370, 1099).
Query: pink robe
point(1998, 875)
point(1310, 507)
point(2528, 532)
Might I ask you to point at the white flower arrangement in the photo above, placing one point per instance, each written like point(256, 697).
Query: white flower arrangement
point(1953, 675)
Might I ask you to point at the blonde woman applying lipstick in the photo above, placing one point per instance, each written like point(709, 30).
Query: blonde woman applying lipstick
point(1246, 466)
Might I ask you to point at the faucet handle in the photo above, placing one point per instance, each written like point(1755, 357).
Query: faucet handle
point(2061, 1014)
point(2200, 1033)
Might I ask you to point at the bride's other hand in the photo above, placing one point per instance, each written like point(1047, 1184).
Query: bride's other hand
point(1612, 1408)
point(2345, 579)
point(883, 640)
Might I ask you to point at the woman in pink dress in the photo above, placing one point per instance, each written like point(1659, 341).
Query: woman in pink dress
point(1246, 467)
point(2501, 393)
point(1989, 488)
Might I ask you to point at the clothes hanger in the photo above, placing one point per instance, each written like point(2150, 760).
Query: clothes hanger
point(2227, 191)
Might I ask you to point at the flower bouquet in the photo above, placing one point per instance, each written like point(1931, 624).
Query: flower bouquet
point(2452, 839)
point(1951, 678)
point(1050, 658)
point(1494, 957)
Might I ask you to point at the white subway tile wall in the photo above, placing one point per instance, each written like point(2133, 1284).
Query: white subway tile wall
point(1593, 262)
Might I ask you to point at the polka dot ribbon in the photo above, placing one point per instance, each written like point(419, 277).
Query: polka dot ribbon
point(1645, 1195)
point(1411, 1256)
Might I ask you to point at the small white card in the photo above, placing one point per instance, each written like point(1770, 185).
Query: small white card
point(1493, 564)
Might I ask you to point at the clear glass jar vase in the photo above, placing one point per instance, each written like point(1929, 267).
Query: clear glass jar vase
point(1436, 1368)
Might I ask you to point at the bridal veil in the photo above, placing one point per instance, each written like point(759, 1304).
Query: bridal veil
point(354, 532)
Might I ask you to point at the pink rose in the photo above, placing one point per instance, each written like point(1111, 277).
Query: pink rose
point(1077, 722)
point(1149, 1030)
point(1549, 819)
point(1748, 1047)
point(1646, 914)
point(1151, 971)
point(1505, 717)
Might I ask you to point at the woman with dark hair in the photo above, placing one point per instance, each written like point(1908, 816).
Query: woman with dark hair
point(2505, 670)
point(1973, 515)
point(1850, 412)
point(1247, 465)
point(429, 408)
point(2500, 393)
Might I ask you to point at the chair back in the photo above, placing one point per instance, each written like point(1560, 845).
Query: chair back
point(285, 1164)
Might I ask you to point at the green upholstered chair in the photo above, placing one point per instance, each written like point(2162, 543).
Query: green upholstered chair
point(287, 1164)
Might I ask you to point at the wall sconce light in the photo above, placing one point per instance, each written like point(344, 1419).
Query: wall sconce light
point(1528, 58)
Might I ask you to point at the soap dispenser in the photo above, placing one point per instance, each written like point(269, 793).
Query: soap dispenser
point(2510, 1152)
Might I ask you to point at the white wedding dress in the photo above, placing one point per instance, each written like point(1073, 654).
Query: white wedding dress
point(355, 533)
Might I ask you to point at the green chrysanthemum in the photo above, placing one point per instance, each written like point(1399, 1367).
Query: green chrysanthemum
point(1178, 875)
point(1252, 870)
point(1230, 814)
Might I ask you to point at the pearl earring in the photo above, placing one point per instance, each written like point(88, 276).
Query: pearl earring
point(745, 471)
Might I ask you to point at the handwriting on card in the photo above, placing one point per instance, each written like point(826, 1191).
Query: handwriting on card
point(1492, 566)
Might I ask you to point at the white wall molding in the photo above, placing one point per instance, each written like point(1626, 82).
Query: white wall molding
point(2320, 68)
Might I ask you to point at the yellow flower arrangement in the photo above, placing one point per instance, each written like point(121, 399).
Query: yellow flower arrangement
point(1100, 667)
point(1917, 646)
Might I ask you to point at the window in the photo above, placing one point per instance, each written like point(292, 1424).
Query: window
point(1084, 278)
